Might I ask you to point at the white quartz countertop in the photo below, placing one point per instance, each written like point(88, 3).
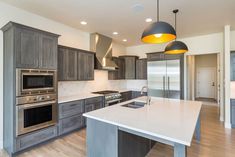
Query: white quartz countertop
point(63, 99)
point(168, 119)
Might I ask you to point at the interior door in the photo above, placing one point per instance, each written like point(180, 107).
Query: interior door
point(157, 78)
point(173, 79)
point(206, 82)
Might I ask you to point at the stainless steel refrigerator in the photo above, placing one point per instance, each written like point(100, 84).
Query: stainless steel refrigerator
point(164, 78)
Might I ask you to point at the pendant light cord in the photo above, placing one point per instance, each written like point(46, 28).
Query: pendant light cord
point(158, 10)
point(175, 12)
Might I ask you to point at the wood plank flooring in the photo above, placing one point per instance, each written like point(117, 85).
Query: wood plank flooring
point(216, 141)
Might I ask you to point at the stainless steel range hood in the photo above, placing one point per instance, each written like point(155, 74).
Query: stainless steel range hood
point(102, 46)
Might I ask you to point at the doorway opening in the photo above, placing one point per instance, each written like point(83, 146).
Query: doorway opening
point(203, 78)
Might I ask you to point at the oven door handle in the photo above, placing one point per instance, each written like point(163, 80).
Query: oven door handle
point(112, 101)
point(33, 105)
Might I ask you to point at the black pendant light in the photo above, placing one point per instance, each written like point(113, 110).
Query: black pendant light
point(158, 32)
point(176, 47)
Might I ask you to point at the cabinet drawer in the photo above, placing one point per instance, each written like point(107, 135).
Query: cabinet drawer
point(31, 139)
point(93, 100)
point(70, 124)
point(71, 108)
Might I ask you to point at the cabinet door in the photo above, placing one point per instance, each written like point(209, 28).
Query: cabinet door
point(26, 48)
point(71, 65)
point(85, 66)
point(130, 63)
point(232, 66)
point(113, 75)
point(67, 64)
point(70, 124)
point(62, 53)
point(89, 66)
point(48, 52)
point(126, 96)
point(121, 68)
point(233, 113)
point(158, 56)
point(141, 69)
point(36, 137)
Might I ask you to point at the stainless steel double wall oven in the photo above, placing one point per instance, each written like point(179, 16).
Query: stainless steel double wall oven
point(36, 99)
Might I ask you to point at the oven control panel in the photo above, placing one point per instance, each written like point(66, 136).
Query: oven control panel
point(34, 99)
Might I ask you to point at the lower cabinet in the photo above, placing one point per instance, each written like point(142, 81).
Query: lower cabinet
point(233, 113)
point(126, 96)
point(70, 124)
point(70, 113)
point(131, 95)
point(36, 137)
point(93, 104)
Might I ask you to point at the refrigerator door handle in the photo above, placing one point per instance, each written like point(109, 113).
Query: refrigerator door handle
point(164, 86)
point(168, 86)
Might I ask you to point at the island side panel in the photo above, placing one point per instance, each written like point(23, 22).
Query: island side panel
point(102, 139)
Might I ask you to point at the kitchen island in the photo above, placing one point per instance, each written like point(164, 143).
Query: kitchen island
point(119, 131)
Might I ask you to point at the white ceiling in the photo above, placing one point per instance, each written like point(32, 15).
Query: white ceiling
point(196, 17)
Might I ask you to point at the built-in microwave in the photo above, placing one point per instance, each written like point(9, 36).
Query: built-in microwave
point(35, 81)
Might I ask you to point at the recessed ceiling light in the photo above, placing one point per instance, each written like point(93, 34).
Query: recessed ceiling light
point(83, 22)
point(148, 20)
point(115, 33)
point(124, 40)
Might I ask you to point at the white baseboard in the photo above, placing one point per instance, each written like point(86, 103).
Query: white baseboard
point(227, 125)
point(1, 144)
point(221, 118)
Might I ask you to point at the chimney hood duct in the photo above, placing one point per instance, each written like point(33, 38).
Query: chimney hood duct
point(102, 46)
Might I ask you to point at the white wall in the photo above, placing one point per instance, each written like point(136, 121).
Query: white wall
point(69, 37)
point(232, 43)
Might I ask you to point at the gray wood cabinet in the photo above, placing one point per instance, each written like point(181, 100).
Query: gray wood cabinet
point(126, 96)
point(130, 66)
point(67, 64)
point(85, 66)
point(70, 124)
point(141, 69)
point(30, 48)
point(93, 104)
point(233, 113)
point(35, 48)
point(119, 73)
point(47, 51)
point(75, 64)
point(232, 66)
point(136, 94)
point(34, 138)
point(26, 48)
point(70, 113)
point(71, 108)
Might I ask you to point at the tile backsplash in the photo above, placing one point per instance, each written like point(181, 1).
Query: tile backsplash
point(101, 82)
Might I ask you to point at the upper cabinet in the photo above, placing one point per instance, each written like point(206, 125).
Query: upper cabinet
point(26, 45)
point(67, 64)
point(232, 65)
point(141, 69)
point(85, 65)
point(119, 73)
point(47, 51)
point(75, 64)
point(130, 66)
point(33, 48)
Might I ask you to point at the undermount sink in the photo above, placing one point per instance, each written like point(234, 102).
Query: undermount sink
point(134, 104)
